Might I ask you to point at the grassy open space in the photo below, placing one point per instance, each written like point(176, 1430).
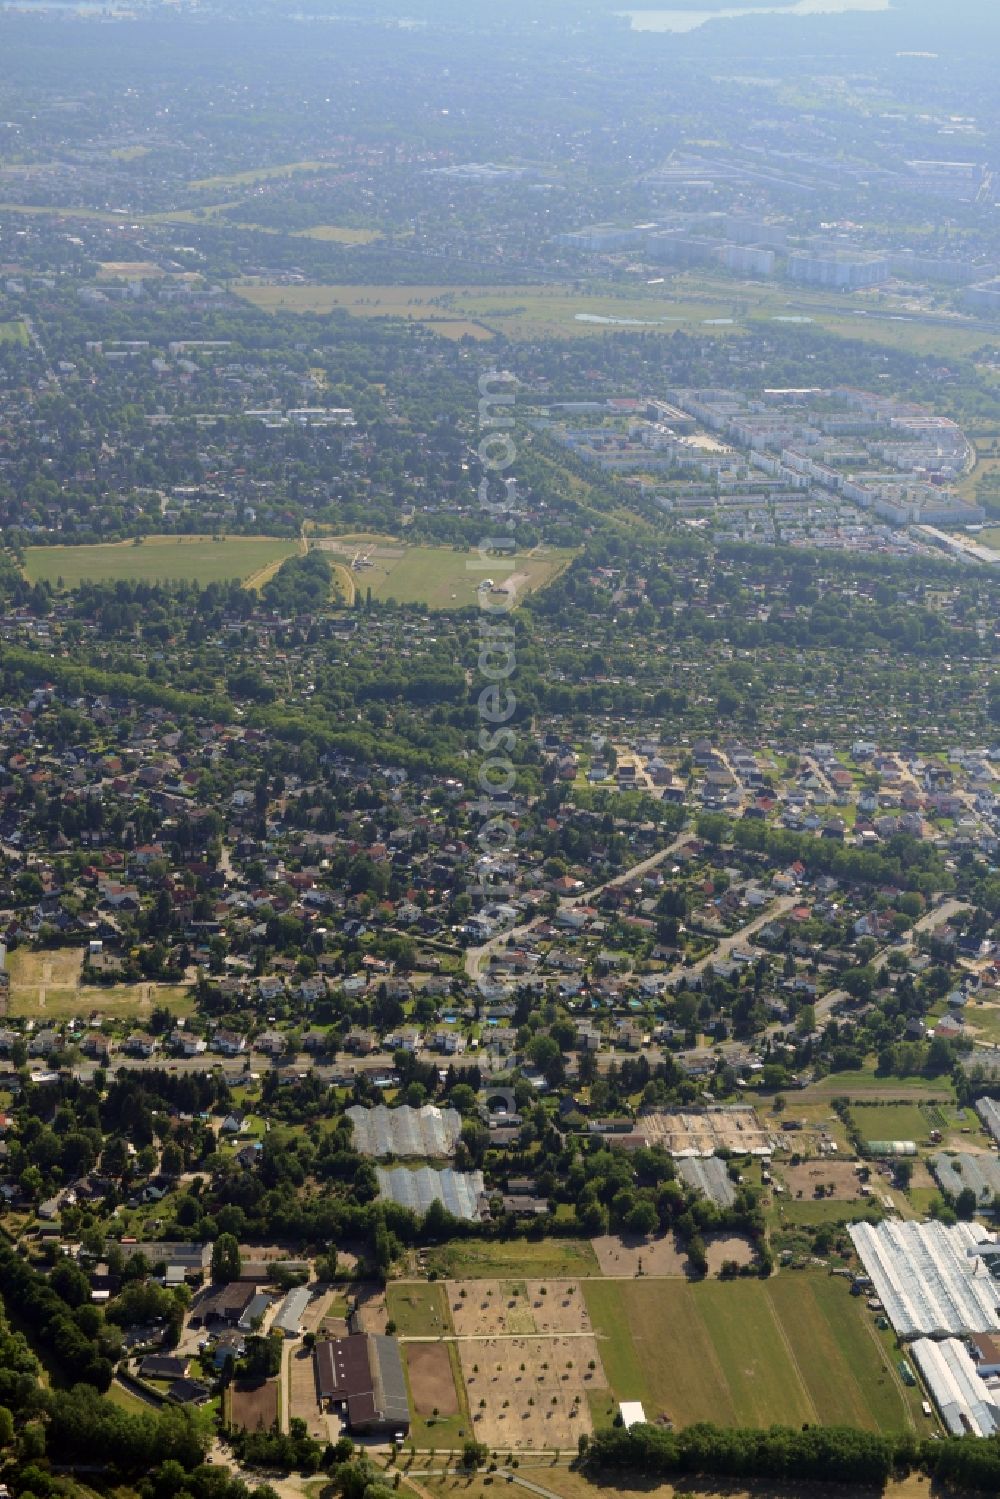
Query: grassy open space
point(198, 559)
point(899, 1121)
point(260, 174)
point(792, 1349)
point(418, 1308)
point(13, 333)
point(439, 577)
point(338, 234)
point(878, 1089)
point(713, 305)
point(530, 1258)
point(45, 987)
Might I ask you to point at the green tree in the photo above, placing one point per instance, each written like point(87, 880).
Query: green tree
point(227, 1263)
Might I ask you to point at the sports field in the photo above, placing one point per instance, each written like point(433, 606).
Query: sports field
point(198, 559)
point(13, 333)
point(439, 577)
point(795, 1348)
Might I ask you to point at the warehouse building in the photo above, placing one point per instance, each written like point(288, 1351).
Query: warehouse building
point(956, 1171)
point(288, 1318)
point(362, 1378)
point(989, 1112)
point(956, 1387)
point(931, 1279)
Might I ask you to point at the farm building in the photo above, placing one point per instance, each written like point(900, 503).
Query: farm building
point(223, 1304)
point(428, 1131)
point(956, 1172)
point(989, 1112)
point(632, 1413)
point(460, 1192)
point(710, 1177)
point(288, 1318)
point(957, 1389)
point(930, 1278)
point(363, 1376)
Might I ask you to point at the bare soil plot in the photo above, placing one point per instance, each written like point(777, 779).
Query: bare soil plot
point(491, 1308)
point(841, 1176)
point(253, 1404)
point(531, 1393)
point(302, 1399)
point(722, 1247)
point(373, 1313)
point(626, 1254)
point(432, 1382)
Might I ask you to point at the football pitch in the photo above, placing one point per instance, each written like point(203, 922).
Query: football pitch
point(793, 1349)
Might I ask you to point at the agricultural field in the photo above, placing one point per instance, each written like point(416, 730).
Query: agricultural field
point(513, 1260)
point(532, 1392)
point(253, 1403)
point(45, 987)
point(571, 1483)
point(439, 577)
point(438, 1404)
point(418, 1308)
point(199, 559)
point(795, 1348)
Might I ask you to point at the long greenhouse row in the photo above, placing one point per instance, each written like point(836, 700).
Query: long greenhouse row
point(965, 1403)
point(927, 1279)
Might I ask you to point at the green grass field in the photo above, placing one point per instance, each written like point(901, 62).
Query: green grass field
point(418, 1308)
point(814, 1212)
point(439, 577)
point(197, 559)
point(793, 1349)
point(529, 1258)
point(892, 1121)
point(13, 333)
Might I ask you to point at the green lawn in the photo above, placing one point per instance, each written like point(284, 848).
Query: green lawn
point(795, 1348)
point(13, 333)
point(892, 1121)
point(418, 1308)
point(198, 559)
point(792, 1212)
point(531, 1258)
